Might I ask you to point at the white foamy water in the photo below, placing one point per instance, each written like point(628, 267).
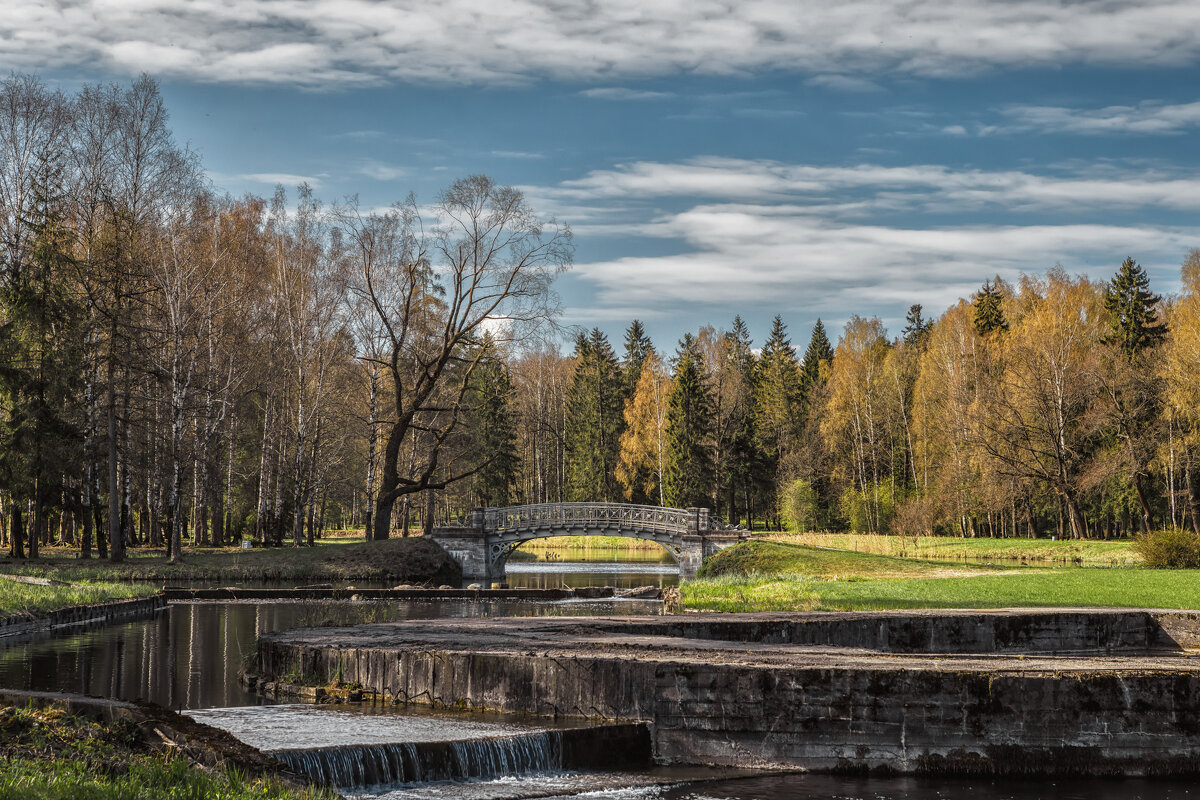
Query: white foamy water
point(289, 727)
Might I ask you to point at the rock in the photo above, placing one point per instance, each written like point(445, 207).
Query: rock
point(475, 587)
point(641, 593)
point(445, 586)
point(403, 586)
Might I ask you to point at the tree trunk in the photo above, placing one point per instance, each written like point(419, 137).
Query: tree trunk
point(1141, 496)
point(17, 534)
point(117, 544)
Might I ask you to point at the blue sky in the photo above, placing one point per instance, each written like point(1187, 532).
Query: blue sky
point(759, 157)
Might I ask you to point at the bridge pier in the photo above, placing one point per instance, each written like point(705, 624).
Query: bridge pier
point(482, 545)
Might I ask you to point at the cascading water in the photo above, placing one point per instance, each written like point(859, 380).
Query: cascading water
point(371, 766)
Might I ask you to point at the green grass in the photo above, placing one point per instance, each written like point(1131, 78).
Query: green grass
point(23, 599)
point(402, 560)
point(775, 558)
point(957, 548)
point(48, 755)
point(774, 576)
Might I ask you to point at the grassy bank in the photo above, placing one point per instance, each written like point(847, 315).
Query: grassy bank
point(23, 599)
point(411, 560)
point(956, 548)
point(778, 576)
point(49, 755)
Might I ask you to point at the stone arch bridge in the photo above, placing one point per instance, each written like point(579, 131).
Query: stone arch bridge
point(482, 546)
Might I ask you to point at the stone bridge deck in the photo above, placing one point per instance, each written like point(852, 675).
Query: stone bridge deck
point(1050, 691)
point(482, 546)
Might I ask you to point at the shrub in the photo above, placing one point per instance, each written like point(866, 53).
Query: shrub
point(798, 506)
point(1169, 549)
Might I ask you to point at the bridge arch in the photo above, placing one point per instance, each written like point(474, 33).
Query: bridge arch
point(483, 546)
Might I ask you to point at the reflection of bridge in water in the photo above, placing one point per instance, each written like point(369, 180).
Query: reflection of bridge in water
point(482, 546)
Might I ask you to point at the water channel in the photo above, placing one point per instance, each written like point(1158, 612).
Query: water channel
point(187, 658)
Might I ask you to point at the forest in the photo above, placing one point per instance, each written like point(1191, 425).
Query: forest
point(177, 365)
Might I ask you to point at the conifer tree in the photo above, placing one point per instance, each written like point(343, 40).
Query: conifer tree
point(495, 431)
point(1133, 322)
point(745, 462)
point(917, 329)
point(688, 477)
point(41, 358)
point(594, 421)
point(778, 403)
point(1131, 396)
point(637, 347)
point(989, 315)
point(819, 349)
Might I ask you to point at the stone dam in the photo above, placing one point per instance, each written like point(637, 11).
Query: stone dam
point(1031, 691)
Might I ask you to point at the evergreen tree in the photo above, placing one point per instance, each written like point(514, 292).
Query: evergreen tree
point(819, 349)
point(918, 327)
point(637, 347)
point(989, 315)
point(778, 401)
point(41, 359)
point(744, 458)
point(495, 431)
point(595, 420)
point(1133, 321)
point(688, 477)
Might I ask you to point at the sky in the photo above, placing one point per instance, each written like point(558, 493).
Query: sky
point(753, 157)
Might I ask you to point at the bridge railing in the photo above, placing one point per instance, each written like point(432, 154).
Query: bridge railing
point(589, 516)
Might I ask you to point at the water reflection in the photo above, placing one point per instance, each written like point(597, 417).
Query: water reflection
point(188, 656)
point(573, 574)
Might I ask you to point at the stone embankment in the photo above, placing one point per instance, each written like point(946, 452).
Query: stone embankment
point(1077, 691)
point(93, 614)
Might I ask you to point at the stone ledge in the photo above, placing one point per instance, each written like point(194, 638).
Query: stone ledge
point(717, 694)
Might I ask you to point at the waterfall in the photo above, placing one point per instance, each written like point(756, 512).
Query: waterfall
point(376, 765)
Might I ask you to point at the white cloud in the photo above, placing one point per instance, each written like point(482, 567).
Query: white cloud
point(623, 93)
point(518, 154)
point(338, 42)
point(844, 83)
point(273, 178)
point(834, 241)
point(1144, 118)
point(377, 170)
point(870, 188)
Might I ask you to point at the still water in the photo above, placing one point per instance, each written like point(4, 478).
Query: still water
point(188, 656)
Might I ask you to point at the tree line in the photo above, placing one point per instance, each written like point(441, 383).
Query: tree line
point(178, 365)
point(1057, 406)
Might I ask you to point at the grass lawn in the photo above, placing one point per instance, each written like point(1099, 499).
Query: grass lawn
point(23, 599)
point(410, 560)
point(48, 755)
point(776, 576)
point(1118, 553)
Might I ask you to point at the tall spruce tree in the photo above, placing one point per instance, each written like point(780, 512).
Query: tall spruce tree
point(819, 349)
point(495, 431)
point(41, 360)
point(1133, 321)
point(917, 327)
point(1132, 396)
point(745, 461)
point(989, 314)
point(688, 477)
point(637, 347)
point(778, 402)
point(595, 420)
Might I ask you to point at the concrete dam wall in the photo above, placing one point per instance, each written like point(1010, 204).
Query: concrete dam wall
point(1086, 692)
